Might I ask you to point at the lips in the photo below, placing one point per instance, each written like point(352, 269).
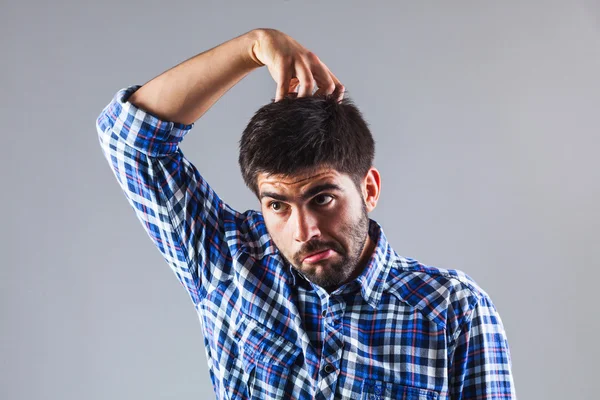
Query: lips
point(320, 255)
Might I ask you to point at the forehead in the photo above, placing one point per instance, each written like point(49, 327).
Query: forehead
point(299, 181)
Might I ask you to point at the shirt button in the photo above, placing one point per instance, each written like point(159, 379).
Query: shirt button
point(329, 368)
point(324, 313)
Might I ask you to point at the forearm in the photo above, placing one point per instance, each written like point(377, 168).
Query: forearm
point(185, 92)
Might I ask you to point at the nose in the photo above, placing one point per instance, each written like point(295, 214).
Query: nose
point(305, 226)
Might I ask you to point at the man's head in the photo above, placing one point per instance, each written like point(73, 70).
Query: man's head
point(309, 162)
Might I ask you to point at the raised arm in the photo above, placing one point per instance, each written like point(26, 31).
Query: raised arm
point(185, 92)
point(140, 131)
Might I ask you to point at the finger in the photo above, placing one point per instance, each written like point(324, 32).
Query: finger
point(324, 80)
point(306, 80)
point(292, 91)
point(339, 88)
point(294, 83)
point(321, 74)
point(283, 83)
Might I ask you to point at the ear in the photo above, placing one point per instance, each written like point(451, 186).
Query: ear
point(371, 188)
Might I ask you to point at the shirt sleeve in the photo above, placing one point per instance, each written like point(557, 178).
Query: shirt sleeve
point(481, 364)
point(176, 206)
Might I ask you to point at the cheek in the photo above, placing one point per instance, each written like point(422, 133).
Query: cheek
point(344, 221)
point(340, 216)
point(277, 231)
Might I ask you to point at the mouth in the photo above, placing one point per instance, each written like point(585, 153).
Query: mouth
point(321, 255)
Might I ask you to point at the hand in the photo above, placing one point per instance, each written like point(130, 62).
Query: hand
point(292, 65)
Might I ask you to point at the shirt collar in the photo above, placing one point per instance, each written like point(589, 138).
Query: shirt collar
point(373, 277)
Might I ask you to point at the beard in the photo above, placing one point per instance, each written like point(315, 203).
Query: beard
point(334, 274)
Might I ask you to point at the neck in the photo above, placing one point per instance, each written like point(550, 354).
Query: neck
point(365, 256)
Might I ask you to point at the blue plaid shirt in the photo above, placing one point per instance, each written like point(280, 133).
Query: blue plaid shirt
point(401, 330)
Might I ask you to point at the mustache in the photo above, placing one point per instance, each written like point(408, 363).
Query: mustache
point(315, 247)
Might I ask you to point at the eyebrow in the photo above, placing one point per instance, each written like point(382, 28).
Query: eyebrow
point(308, 194)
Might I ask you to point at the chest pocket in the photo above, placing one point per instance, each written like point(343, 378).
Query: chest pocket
point(266, 360)
point(379, 390)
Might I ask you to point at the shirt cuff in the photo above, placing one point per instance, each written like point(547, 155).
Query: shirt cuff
point(141, 129)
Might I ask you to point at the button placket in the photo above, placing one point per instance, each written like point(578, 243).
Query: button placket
point(333, 344)
point(336, 313)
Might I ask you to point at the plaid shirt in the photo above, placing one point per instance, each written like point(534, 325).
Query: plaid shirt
point(401, 330)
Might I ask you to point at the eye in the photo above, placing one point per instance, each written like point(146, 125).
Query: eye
point(323, 199)
point(275, 206)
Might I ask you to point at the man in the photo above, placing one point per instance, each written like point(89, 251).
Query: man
point(305, 299)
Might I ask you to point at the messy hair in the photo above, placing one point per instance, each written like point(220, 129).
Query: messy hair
point(301, 134)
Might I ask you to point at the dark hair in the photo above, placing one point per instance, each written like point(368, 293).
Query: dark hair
point(301, 134)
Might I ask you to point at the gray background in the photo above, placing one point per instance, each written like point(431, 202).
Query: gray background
point(486, 119)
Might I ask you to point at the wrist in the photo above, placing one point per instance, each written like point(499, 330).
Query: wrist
point(255, 36)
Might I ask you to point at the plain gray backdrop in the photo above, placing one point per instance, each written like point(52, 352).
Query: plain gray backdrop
point(486, 117)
